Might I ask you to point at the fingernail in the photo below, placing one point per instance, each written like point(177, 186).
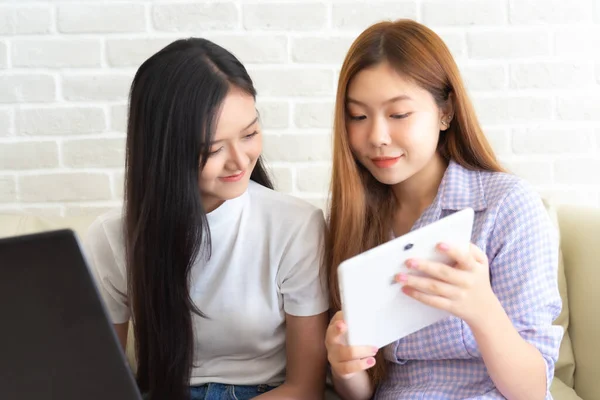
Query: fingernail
point(443, 246)
point(401, 278)
point(411, 263)
point(370, 361)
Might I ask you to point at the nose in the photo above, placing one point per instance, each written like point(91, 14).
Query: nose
point(379, 134)
point(238, 160)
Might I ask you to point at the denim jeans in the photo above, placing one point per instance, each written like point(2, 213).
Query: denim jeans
point(219, 391)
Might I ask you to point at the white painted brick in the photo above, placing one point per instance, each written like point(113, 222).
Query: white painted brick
point(578, 41)
point(578, 171)
point(5, 123)
point(512, 109)
point(118, 185)
point(60, 121)
point(455, 41)
point(297, 147)
point(64, 187)
point(95, 87)
point(543, 68)
point(294, 82)
point(578, 107)
point(320, 50)
point(24, 20)
point(571, 196)
point(563, 75)
point(86, 211)
point(273, 114)
point(94, 153)
point(484, 77)
point(550, 11)
point(508, 44)
point(499, 139)
point(198, 17)
point(453, 13)
point(283, 179)
point(314, 115)
point(56, 53)
point(251, 48)
point(3, 55)
point(551, 140)
point(27, 88)
point(314, 179)
point(118, 118)
point(534, 172)
point(301, 16)
point(28, 155)
point(357, 16)
point(109, 18)
point(8, 189)
point(133, 52)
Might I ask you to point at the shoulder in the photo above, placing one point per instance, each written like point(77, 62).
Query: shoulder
point(105, 239)
point(108, 225)
point(509, 192)
point(516, 209)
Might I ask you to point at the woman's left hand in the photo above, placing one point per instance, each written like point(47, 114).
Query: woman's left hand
point(464, 289)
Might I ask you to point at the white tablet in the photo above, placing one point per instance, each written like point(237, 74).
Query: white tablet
point(376, 310)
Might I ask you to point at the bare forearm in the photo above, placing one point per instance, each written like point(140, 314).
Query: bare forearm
point(306, 360)
point(358, 387)
point(516, 367)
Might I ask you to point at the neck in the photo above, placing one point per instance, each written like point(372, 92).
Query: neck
point(210, 204)
point(417, 193)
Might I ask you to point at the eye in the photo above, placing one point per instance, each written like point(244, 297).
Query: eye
point(399, 116)
point(357, 117)
point(250, 136)
point(215, 152)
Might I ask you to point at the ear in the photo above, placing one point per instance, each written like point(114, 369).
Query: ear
point(447, 113)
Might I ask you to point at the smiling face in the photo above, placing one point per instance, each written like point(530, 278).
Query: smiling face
point(234, 151)
point(393, 124)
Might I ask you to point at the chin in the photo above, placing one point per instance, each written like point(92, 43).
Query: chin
point(388, 177)
point(387, 180)
point(233, 192)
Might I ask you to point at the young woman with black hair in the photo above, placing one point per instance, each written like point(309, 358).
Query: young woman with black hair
point(219, 274)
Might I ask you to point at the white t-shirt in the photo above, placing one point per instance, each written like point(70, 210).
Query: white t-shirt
point(265, 262)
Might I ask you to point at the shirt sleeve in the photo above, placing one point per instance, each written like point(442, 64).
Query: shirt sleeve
point(524, 271)
point(301, 279)
point(110, 279)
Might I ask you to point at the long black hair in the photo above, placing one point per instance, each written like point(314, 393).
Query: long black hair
point(174, 100)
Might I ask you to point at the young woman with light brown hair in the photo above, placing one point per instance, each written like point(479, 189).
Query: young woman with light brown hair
point(409, 150)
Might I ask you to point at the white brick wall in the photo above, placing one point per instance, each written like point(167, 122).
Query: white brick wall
point(532, 67)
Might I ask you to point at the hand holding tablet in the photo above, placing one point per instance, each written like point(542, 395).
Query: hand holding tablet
point(376, 311)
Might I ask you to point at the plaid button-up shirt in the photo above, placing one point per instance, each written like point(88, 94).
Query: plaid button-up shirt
point(512, 227)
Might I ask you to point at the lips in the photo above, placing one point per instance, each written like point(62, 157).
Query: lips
point(233, 178)
point(385, 162)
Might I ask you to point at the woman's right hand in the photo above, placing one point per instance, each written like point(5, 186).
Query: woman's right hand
point(346, 360)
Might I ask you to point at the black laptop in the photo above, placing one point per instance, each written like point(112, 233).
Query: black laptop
point(56, 340)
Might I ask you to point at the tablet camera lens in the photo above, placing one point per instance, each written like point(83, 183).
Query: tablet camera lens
point(408, 246)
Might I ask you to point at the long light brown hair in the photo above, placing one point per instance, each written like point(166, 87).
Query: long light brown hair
point(361, 208)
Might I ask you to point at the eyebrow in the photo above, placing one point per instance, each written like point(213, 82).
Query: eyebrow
point(255, 120)
point(388, 101)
